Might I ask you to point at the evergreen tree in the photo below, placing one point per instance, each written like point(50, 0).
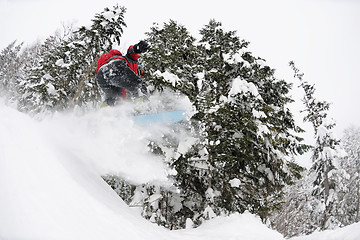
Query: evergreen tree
point(318, 200)
point(351, 198)
point(242, 130)
point(303, 211)
point(9, 70)
point(299, 211)
point(39, 91)
point(65, 73)
point(327, 153)
point(245, 125)
point(172, 51)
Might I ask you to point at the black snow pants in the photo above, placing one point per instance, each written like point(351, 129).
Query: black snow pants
point(115, 76)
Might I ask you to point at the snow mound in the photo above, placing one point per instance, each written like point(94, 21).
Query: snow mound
point(351, 232)
point(49, 190)
point(237, 226)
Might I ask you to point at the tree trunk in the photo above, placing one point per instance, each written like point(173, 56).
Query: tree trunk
point(326, 196)
point(358, 203)
point(85, 76)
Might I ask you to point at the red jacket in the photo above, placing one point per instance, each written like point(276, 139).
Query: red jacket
point(116, 54)
point(105, 58)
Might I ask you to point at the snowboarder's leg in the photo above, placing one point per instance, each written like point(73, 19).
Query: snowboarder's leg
point(120, 75)
point(115, 76)
point(112, 93)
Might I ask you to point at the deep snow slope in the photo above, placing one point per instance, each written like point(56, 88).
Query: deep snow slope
point(50, 184)
point(49, 190)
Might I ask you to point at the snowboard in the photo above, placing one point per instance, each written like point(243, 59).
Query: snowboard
point(160, 118)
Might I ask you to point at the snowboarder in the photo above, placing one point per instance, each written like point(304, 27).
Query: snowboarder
point(117, 74)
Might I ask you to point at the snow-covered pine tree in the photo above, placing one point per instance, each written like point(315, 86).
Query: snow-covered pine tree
point(65, 73)
point(29, 59)
point(242, 128)
point(245, 124)
point(41, 89)
point(9, 71)
point(350, 204)
point(327, 154)
point(297, 215)
point(172, 52)
point(173, 57)
point(324, 198)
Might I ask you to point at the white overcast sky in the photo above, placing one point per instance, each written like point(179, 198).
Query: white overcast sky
point(321, 36)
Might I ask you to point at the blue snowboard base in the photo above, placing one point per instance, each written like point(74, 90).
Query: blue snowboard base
point(160, 118)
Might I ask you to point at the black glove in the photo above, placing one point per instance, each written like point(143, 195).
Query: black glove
point(141, 47)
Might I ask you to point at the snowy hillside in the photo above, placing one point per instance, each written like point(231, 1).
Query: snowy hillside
point(51, 185)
